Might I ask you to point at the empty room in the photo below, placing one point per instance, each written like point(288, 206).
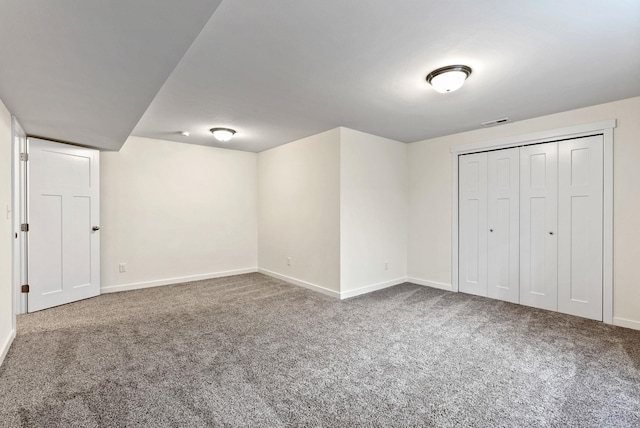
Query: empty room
point(319, 213)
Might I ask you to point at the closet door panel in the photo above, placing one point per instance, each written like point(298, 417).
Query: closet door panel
point(472, 257)
point(538, 226)
point(504, 224)
point(580, 189)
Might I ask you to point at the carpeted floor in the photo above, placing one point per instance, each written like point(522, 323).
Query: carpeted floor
point(253, 351)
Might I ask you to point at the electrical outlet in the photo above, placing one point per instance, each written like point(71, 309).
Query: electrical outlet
point(122, 267)
point(288, 261)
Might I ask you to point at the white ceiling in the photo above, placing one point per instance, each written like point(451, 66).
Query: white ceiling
point(85, 71)
point(280, 70)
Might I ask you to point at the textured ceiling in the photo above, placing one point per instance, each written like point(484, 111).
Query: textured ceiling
point(280, 70)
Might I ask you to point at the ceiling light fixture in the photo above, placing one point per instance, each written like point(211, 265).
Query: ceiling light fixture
point(185, 133)
point(222, 134)
point(449, 78)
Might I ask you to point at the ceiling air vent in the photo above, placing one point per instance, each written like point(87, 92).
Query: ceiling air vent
point(495, 122)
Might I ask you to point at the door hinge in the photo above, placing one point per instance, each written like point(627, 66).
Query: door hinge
point(25, 288)
point(24, 227)
point(24, 156)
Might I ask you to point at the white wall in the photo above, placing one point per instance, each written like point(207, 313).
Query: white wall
point(7, 317)
point(176, 212)
point(373, 211)
point(430, 201)
point(299, 211)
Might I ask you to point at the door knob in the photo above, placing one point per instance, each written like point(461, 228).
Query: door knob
point(94, 228)
point(550, 233)
point(490, 230)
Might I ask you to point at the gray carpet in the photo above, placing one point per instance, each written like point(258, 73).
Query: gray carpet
point(253, 351)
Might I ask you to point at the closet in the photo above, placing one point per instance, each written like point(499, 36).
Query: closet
point(530, 225)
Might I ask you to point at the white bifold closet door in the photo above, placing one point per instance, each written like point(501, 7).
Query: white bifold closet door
point(539, 225)
point(504, 224)
point(473, 223)
point(580, 190)
point(531, 224)
point(489, 224)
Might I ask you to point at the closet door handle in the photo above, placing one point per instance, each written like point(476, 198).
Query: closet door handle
point(490, 230)
point(550, 233)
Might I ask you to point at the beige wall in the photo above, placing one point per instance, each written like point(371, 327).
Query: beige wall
point(336, 204)
point(299, 211)
point(373, 211)
point(430, 197)
point(6, 300)
point(176, 212)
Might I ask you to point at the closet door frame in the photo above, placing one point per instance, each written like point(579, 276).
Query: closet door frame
point(604, 128)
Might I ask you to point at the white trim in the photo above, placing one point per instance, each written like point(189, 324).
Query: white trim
point(19, 138)
point(535, 137)
point(605, 128)
point(432, 284)
point(6, 345)
point(623, 322)
point(607, 228)
point(454, 224)
point(372, 287)
point(15, 220)
point(300, 283)
point(177, 280)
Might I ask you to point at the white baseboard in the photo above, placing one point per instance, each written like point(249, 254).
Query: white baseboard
point(358, 291)
point(300, 283)
point(432, 284)
point(372, 287)
point(6, 345)
point(178, 280)
point(623, 322)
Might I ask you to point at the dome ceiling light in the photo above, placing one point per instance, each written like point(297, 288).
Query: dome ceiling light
point(449, 78)
point(222, 134)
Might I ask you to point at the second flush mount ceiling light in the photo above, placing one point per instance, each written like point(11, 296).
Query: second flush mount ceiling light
point(222, 134)
point(449, 78)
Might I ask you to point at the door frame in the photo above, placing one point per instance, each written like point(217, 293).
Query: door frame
point(604, 128)
point(18, 216)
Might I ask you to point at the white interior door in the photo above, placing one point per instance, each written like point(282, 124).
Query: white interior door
point(538, 226)
point(580, 190)
point(473, 224)
point(63, 208)
point(504, 224)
